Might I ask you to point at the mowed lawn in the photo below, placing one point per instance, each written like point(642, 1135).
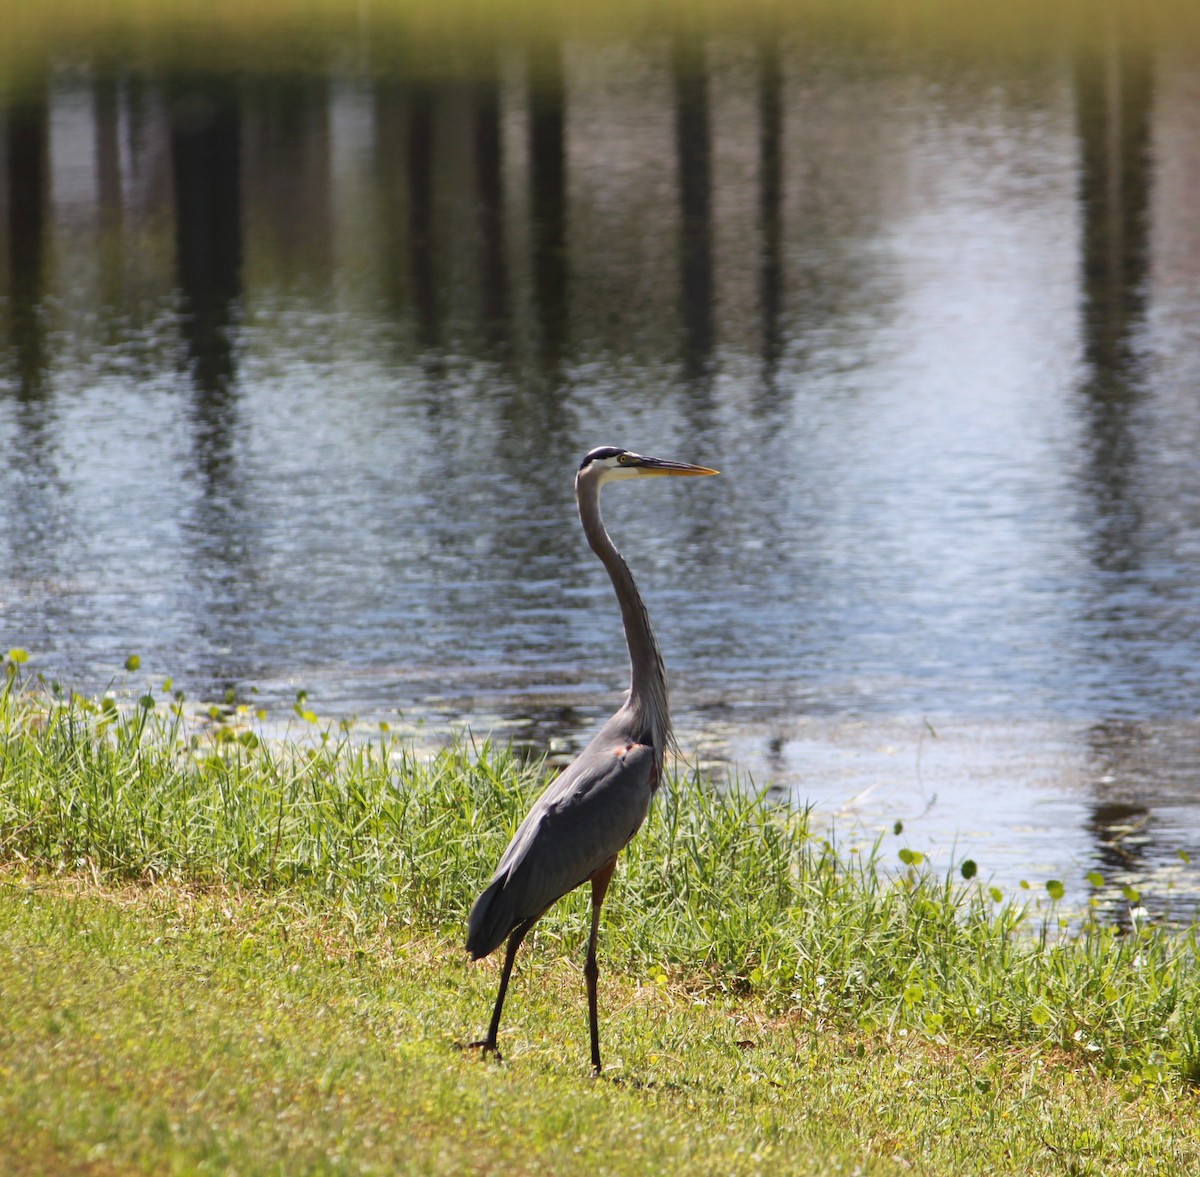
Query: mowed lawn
point(161, 1031)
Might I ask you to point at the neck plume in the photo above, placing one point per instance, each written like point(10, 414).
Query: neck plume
point(648, 680)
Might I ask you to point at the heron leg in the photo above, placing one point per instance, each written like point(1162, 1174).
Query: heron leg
point(488, 1045)
point(591, 970)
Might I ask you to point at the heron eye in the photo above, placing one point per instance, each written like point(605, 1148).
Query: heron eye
point(625, 459)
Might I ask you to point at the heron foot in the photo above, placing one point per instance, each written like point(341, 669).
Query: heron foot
point(486, 1046)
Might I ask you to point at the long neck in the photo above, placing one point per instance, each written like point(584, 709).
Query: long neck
point(648, 684)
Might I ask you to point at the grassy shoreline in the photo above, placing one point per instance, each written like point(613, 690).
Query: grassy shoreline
point(769, 1002)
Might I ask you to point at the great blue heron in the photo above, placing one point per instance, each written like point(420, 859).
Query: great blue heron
point(579, 825)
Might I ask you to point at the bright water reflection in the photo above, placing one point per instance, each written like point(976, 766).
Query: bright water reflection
point(297, 367)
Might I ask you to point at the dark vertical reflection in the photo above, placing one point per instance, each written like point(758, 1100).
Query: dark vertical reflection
point(548, 181)
point(1120, 830)
point(489, 179)
point(27, 155)
point(206, 167)
point(1114, 94)
point(1119, 821)
point(694, 152)
point(420, 212)
point(206, 129)
point(770, 268)
point(37, 547)
point(535, 413)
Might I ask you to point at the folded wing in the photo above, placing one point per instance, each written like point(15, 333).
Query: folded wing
point(579, 824)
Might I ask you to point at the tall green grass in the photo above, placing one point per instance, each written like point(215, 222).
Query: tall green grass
point(721, 891)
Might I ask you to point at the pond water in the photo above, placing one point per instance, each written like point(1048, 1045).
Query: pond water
point(299, 351)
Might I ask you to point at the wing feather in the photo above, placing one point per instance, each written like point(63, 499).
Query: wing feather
point(579, 823)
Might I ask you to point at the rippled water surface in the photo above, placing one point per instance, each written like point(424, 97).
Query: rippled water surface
point(298, 358)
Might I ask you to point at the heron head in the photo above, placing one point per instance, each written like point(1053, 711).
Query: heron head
point(607, 463)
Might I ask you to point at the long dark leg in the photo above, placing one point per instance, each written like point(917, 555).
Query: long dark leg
point(488, 1044)
point(591, 970)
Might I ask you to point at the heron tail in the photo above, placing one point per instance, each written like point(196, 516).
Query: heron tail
point(491, 919)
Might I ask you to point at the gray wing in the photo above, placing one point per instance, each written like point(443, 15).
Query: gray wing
point(577, 825)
